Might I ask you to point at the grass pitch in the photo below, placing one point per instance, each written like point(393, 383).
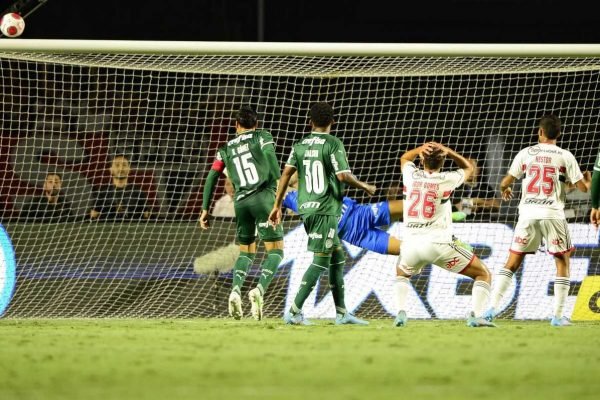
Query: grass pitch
point(225, 359)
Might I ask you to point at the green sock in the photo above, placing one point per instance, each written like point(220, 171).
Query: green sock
point(269, 266)
point(309, 280)
point(240, 269)
point(336, 280)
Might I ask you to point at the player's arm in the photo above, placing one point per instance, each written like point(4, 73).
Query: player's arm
point(595, 189)
point(411, 155)
point(486, 204)
point(342, 170)
point(506, 187)
point(269, 152)
point(209, 188)
point(275, 215)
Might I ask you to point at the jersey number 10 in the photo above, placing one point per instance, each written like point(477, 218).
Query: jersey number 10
point(246, 170)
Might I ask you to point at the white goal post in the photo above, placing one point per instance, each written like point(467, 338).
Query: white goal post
point(69, 107)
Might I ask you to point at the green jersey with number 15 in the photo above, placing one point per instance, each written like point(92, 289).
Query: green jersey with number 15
point(318, 157)
point(247, 165)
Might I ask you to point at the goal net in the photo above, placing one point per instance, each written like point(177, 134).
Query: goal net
point(68, 112)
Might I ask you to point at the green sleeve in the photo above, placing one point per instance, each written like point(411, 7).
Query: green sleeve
point(269, 152)
point(292, 162)
point(596, 189)
point(209, 188)
point(339, 160)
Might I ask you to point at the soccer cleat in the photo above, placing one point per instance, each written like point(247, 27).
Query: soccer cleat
point(560, 321)
point(256, 302)
point(295, 319)
point(349, 319)
point(490, 314)
point(235, 305)
point(478, 322)
point(401, 319)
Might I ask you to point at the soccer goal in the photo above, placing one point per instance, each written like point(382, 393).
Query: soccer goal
point(69, 108)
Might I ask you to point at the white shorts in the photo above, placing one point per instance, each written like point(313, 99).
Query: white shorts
point(449, 256)
point(530, 232)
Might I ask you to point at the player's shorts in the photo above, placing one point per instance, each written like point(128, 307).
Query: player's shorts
point(449, 256)
point(359, 226)
point(530, 232)
point(322, 233)
point(252, 217)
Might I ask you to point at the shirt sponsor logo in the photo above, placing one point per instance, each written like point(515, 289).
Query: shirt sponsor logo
point(313, 141)
point(539, 202)
point(310, 204)
point(239, 139)
point(419, 225)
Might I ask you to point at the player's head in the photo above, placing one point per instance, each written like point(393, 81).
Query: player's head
point(434, 160)
point(321, 115)
point(549, 127)
point(119, 167)
point(246, 118)
point(52, 184)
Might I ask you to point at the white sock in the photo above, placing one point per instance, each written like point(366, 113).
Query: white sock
point(402, 288)
point(502, 282)
point(561, 291)
point(480, 296)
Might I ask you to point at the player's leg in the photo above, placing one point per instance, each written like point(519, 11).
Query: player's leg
point(556, 233)
point(273, 239)
point(246, 236)
point(336, 284)
point(396, 207)
point(526, 240)
point(321, 231)
point(409, 263)
point(459, 258)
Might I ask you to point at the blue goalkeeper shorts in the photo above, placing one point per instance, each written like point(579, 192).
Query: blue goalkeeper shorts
point(360, 226)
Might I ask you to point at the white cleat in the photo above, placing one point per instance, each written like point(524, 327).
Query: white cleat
point(235, 306)
point(256, 302)
point(560, 321)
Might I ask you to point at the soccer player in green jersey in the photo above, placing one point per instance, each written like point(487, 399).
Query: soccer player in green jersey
point(320, 159)
point(253, 169)
point(595, 214)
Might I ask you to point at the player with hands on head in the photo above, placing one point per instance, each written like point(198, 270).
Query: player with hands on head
point(253, 170)
point(427, 231)
point(595, 194)
point(547, 171)
point(322, 165)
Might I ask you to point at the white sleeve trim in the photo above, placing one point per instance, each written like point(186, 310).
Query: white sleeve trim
point(264, 144)
point(290, 165)
point(342, 171)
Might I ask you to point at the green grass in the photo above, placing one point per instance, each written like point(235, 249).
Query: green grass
point(224, 359)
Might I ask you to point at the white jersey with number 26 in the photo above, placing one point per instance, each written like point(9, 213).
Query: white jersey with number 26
point(427, 207)
point(545, 169)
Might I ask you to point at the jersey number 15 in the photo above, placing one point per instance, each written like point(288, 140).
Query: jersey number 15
point(246, 170)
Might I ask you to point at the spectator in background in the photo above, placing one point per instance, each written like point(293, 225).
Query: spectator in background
point(120, 200)
point(476, 199)
point(224, 205)
point(51, 207)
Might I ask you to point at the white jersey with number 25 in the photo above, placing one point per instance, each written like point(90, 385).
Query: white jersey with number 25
point(546, 169)
point(427, 209)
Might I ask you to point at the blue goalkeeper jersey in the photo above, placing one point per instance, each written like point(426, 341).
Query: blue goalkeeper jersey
point(359, 223)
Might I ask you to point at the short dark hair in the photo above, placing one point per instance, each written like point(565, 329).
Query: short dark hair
point(550, 124)
point(321, 114)
point(246, 117)
point(434, 160)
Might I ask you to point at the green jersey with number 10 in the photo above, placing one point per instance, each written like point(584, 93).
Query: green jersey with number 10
point(247, 165)
point(318, 157)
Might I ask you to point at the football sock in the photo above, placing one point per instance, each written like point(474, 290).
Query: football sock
point(501, 284)
point(269, 266)
point(309, 280)
point(402, 288)
point(480, 296)
point(240, 269)
point(561, 291)
point(336, 280)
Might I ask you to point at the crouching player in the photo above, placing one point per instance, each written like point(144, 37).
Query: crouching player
point(428, 228)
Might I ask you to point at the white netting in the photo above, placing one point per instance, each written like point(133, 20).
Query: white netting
point(72, 113)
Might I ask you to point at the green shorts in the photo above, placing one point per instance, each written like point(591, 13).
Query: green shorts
point(252, 216)
point(322, 231)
